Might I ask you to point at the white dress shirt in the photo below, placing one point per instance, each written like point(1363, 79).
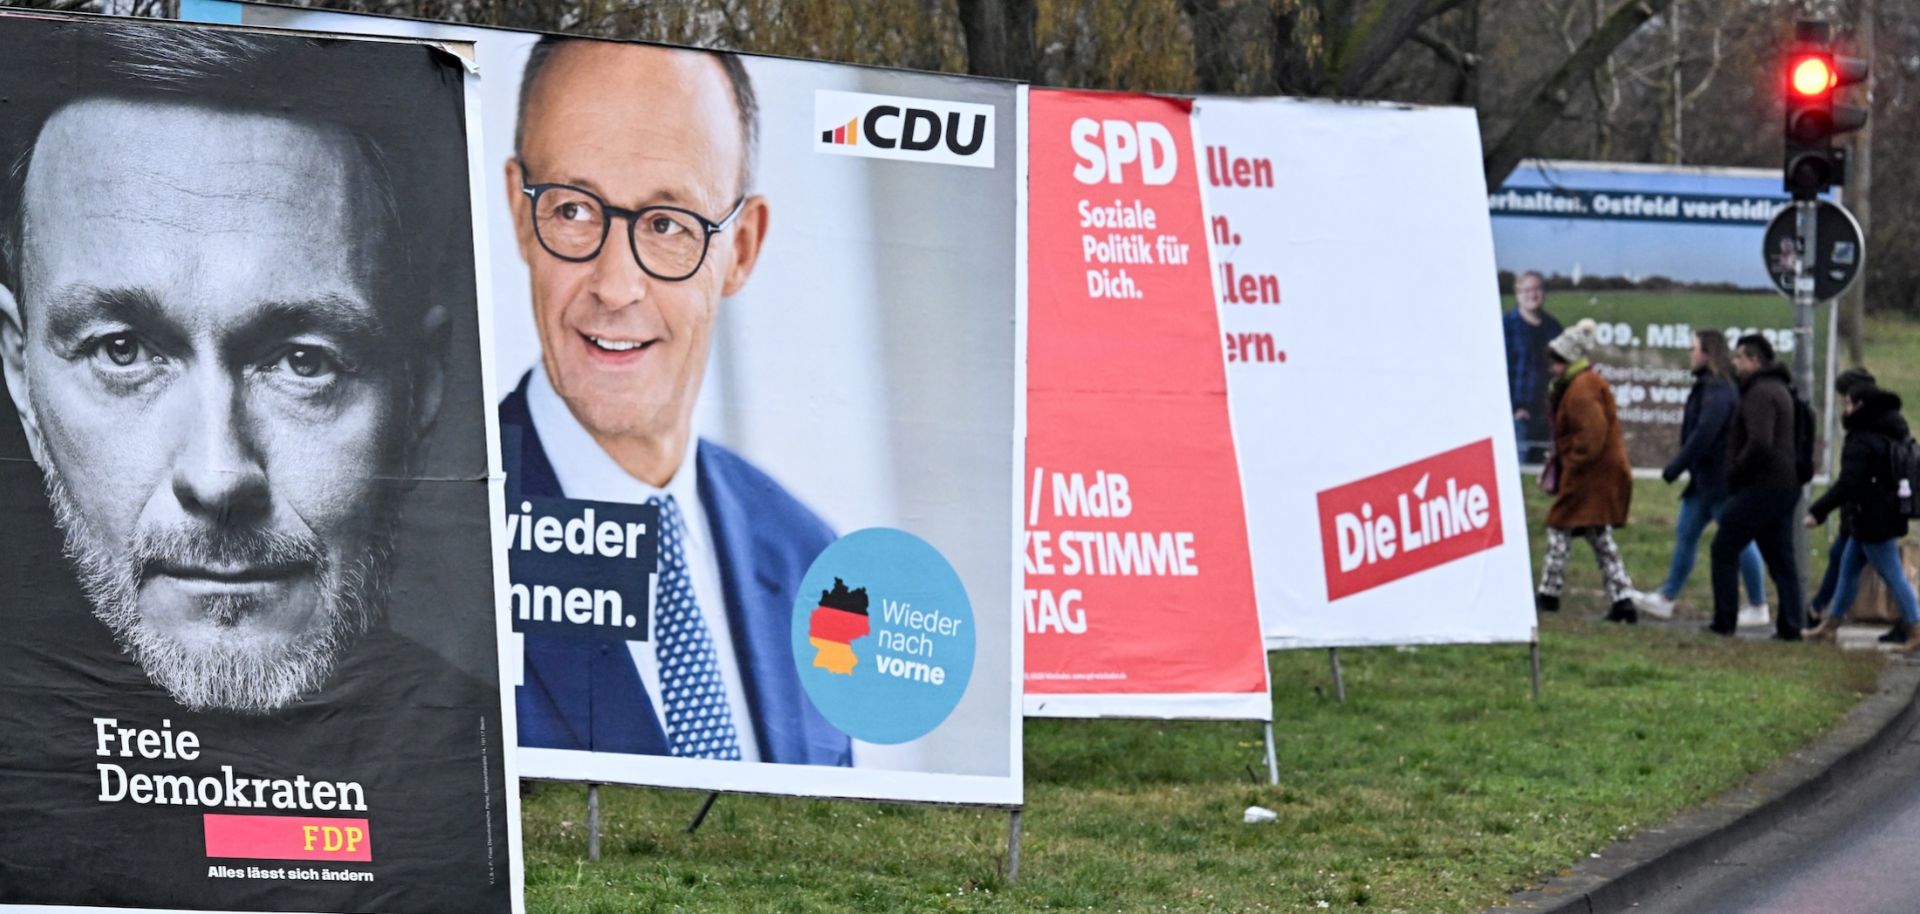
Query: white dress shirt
point(585, 471)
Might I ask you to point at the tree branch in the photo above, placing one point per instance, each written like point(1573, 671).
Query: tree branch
point(1550, 100)
point(1713, 69)
point(1213, 69)
point(1000, 37)
point(1378, 30)
point(984, 22)
point(1444, 50)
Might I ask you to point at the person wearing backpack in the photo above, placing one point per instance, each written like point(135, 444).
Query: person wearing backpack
point(1703, 457)
point(1870, 463)
point(1764, 467)
point(1843, 384)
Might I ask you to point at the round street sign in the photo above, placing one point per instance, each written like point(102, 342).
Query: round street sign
point(1839, 253)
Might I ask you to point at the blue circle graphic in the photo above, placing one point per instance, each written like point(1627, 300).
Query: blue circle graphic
point(895, 673)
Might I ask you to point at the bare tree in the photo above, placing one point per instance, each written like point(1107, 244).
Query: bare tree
point(1549, 100)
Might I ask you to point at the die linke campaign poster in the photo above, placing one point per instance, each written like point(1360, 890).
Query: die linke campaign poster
point(1355, 270)
point(252, 659)
point(757, 343)
point(1652, 253)
point(1139, 598)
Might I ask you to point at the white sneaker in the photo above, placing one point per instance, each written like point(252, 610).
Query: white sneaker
point(1653, 604)
point(1756, 615)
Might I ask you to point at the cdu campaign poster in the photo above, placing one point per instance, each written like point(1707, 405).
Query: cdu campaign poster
point(1140, 597)
point(757, 344)
point(252, 661)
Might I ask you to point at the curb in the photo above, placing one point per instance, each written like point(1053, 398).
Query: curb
point(1658, 856)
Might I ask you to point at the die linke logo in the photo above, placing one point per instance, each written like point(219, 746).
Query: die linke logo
point(1409, 519)
point(907, 129)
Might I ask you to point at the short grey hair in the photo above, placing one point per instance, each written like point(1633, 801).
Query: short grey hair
point(744, 99)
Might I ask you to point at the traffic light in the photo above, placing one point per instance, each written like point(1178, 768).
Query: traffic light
point(1814, 74)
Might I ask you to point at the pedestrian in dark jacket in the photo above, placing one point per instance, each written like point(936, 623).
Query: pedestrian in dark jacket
point(1528, 329)
point(1703, 457)
point(1843, 384)
point(1867, 483)
point(1763, 490)
point(1594, 480)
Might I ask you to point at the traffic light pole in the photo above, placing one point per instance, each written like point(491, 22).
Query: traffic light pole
point(1806, 222)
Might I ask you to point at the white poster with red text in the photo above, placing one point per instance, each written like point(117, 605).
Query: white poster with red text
point(1354, 261)
point(1139, 598)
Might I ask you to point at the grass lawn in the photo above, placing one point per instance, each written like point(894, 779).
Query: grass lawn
point(1439, 787)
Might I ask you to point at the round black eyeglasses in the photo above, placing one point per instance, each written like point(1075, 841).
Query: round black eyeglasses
point(669, 243)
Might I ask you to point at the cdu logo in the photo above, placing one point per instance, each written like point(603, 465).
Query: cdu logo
point(909, 129)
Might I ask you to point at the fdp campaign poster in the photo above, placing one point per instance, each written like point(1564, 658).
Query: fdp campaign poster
point(1140, 599)
point(251, 658)
point(1653, 253)
point(758, 341)
point(1355, 270)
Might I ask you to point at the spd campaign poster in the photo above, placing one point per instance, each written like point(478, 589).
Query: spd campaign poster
point(1139, 599)
point(251, 660)
point(757, 342)
point(1355, 269)
point(1653, 253)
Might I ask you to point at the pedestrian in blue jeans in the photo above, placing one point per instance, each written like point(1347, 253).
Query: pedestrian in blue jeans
point(1703, 457)
point(1843, 384)
point(1868, 483)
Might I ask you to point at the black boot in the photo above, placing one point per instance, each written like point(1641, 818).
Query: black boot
point(1548, 603)
point(1623, 611)
point(1898, 634)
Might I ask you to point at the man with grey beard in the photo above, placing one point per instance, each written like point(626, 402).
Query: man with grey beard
point(177, 378)
point(227, 362)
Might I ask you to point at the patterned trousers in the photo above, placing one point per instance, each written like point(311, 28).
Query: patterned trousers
point(1612, 569)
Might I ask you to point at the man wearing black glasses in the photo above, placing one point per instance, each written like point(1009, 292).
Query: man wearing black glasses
point(631, 191)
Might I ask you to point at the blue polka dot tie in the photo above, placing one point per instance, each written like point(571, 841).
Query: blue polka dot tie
point(693, 697)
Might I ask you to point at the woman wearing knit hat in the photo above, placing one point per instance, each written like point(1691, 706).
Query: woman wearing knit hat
point(1587, 472)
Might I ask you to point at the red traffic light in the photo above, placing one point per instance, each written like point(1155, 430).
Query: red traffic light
point(1811, 75)
point(1815, 75)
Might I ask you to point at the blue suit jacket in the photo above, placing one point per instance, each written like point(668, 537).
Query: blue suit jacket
point(586, 694)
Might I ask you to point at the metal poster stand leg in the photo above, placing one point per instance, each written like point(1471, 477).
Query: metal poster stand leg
point(1533, 661)
point(1273, 764)
point(593, 822)
point(1013, 847)
point(1339, 682)
point(706, 806)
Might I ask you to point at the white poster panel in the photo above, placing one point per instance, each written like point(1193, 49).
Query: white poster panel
point(1356, 278)
point(820, 424)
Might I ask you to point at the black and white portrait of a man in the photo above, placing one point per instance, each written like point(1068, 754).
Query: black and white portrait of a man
point(244, 495)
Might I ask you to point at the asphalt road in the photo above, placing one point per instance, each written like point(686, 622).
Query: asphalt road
point(1856, 852)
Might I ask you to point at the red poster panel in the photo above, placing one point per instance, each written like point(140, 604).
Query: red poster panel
point(1139, 596)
